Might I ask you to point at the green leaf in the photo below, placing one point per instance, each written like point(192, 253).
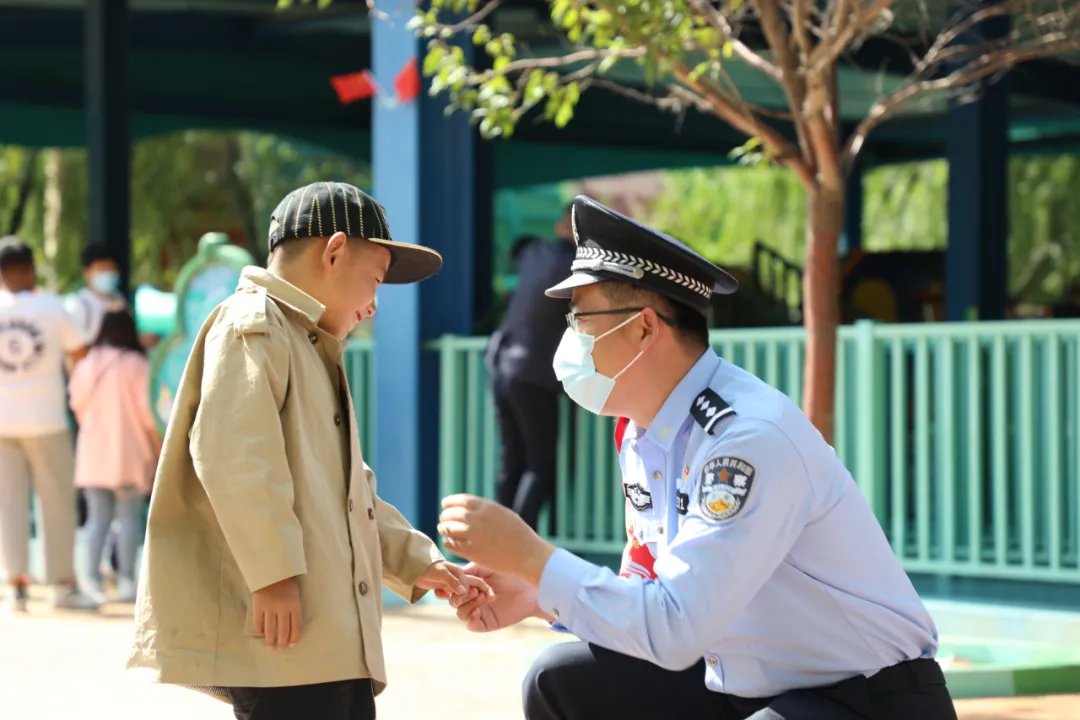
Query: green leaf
point(433, 60)
point(482, 35)
point(729, 50)
point(500, 63)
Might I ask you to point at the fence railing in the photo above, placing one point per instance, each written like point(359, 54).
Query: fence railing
point(963, 437)
point(360, 369)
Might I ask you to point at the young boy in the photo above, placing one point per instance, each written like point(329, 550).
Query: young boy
point(267, 545)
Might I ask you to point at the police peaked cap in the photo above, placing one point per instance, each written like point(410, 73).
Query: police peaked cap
point(613, 247)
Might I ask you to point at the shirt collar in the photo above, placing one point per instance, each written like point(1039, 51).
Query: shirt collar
point(283, 291)
point(673, 413)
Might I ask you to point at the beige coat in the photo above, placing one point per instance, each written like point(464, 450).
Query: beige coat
point(261, 479)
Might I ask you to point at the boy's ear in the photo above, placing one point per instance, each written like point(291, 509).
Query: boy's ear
point(334, 249)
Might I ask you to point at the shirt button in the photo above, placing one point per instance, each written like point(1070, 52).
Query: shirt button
point(661, 529)
point(711, 660)
point(350, 505)
point(371, 513)
point(362, 587)
point(657, 475)
point(337, 419)
point(313, 337)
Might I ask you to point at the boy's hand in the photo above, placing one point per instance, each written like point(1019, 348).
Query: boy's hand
point(277, 613)
point(447, 579)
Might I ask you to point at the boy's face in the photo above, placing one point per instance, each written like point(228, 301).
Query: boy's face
point(353, 271)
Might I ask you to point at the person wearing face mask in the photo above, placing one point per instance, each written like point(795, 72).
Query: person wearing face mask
point(756, 581)
point(102, 295)
point(266, 545)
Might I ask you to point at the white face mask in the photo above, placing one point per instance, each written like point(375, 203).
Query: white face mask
point(574, 367)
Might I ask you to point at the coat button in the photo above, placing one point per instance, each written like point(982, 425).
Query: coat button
point(371, 513)
point(362, 587)
point(313, 337)
point(657, 475)
point(711, 660)
point(350, 505)
point(337, 419)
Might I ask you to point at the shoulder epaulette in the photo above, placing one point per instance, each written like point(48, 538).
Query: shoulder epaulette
point(709, 408)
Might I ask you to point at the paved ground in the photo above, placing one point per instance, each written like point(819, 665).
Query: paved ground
point(70, 666)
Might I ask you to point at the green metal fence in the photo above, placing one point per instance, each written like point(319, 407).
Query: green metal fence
point(963, 437)
point(359, 367)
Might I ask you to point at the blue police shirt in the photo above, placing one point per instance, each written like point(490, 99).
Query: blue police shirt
point(770, 564)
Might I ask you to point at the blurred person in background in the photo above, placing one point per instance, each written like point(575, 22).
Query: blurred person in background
point(117, 447)
point(101, 271)
point(523, 384)
point(36, 334)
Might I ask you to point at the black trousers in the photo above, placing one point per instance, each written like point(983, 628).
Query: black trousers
point(528, 417)
point(581, 681)
point(345, 700)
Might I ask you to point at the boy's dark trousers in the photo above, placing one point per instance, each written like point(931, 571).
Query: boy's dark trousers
point(345, 700)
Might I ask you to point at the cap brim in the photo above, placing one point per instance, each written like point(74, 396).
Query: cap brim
point(409, 263)
point(565, 289)
point(725, 284)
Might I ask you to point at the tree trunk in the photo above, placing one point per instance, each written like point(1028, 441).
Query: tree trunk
point(26, 186)
point(53, 206)
point(821, 294)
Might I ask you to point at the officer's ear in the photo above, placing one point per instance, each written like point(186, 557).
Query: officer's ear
point(650, 327)
point(333, 252)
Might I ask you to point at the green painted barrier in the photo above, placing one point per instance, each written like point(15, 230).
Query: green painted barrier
point(963, 437)
point(204, 281)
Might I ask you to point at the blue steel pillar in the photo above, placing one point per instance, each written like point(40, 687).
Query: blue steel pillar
point(107, 140)
point(977, 148)
point(424, 167)
point(851, 239)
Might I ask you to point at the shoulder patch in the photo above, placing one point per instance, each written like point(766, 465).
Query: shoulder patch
point(709, 408)
point(725, 487)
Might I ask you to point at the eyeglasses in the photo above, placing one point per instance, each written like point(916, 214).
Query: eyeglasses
point(572, 317)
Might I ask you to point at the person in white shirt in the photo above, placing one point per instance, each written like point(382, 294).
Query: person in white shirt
point(36, 334)
point(101, 295)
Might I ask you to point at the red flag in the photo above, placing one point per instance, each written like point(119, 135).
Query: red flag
point(407, 82)
point(352, 87)
point(620, 431)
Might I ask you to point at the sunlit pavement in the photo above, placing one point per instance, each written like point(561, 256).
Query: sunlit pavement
point(70, 665)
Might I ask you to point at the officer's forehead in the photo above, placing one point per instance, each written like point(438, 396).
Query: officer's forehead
point(586, 296)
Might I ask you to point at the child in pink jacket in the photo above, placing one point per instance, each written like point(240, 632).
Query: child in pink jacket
point(117, 447)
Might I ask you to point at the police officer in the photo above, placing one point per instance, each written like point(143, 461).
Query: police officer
point(756, 581)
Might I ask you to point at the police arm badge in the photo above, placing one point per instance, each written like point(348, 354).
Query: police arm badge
point(725, 487)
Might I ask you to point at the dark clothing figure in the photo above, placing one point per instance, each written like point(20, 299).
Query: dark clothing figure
point(523, 382)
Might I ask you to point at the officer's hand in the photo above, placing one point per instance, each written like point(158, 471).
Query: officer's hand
point(277, 613)
point(493, 536)
point(514, 601)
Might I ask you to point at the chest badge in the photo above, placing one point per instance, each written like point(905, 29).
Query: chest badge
point(638, 496)
point(725, 487)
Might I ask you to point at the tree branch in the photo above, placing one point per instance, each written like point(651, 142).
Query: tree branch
point(800, 24)
point(794, 84)
point(741, 50)
point(468, 23)
point(749, 125)
point(959, 80)
point(570, 59)
point(848, 29)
